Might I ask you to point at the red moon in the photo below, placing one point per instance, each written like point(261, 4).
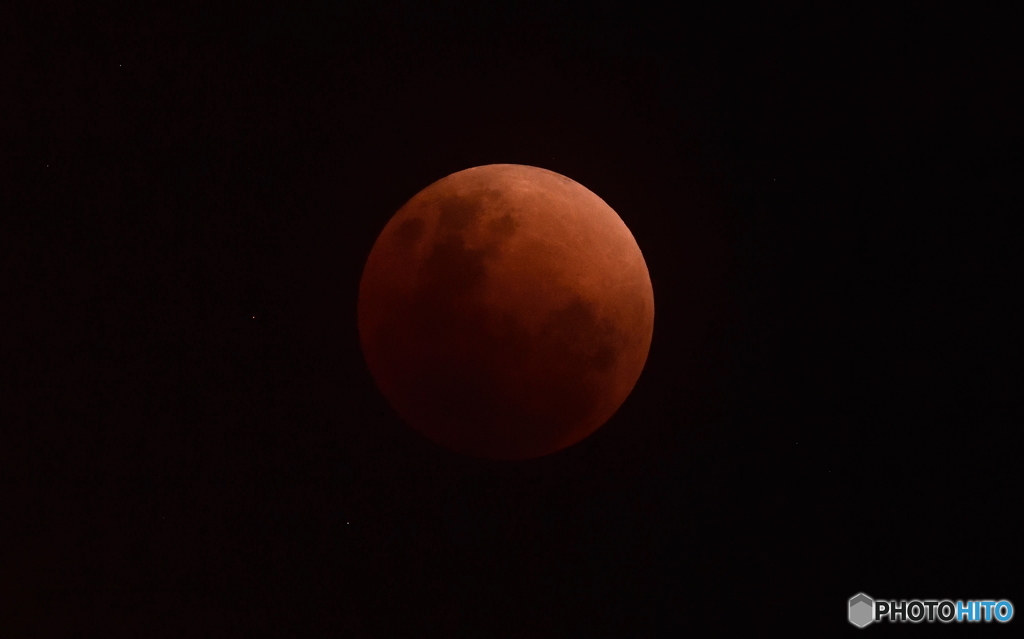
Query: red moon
point(505, 312)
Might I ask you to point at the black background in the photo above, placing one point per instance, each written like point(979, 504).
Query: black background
point(192, 445)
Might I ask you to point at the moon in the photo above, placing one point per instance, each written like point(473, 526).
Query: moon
point(505, 312)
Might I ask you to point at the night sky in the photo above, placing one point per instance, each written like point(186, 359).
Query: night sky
point(191, 444)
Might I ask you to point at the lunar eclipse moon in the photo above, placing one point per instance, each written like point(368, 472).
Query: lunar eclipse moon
point(505, 312)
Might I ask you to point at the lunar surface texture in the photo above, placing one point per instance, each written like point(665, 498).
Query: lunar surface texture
point(505, 312)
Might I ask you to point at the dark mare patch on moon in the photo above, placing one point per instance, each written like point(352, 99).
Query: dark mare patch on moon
point(577, 333)
point(452, 269)
point(503, 227)
point(410, 231)
point(460, 212)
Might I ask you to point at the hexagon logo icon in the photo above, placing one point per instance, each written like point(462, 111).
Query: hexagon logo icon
point(862, 610)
